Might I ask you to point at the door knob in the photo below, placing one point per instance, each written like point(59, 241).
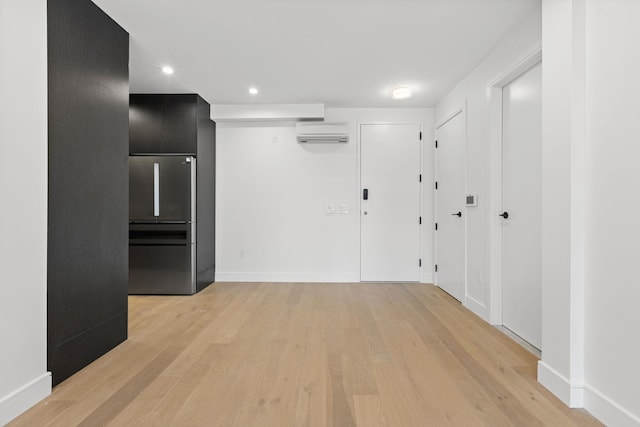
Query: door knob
point(458, 214)
point(504, 215)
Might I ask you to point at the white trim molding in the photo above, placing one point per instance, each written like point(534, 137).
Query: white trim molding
point(447, 117)
point(289, 277)
point(530, 58)
point(572, 394)
point(478, 308)
point(579, 395)
point(608, 411)
point(427, 277)
point(24, 398)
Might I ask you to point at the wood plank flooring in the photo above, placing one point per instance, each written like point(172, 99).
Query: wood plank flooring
point(292, 354)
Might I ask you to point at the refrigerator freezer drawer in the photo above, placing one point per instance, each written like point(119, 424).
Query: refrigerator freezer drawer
point(162, 269)
point(161, 233)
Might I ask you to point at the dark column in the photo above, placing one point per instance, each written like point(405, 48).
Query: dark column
point(88, 185)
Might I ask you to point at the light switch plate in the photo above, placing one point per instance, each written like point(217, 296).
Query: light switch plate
point(471, 200)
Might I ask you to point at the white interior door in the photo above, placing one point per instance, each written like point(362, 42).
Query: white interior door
point(390, 229)
point(521, 198)
point(450, 211)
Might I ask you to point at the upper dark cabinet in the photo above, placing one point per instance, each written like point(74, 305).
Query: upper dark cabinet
point(165, 123)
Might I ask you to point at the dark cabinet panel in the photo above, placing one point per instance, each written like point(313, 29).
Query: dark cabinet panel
point(179, 130)
point(206, 197)
point(145, 125)
point(162, 123)
point(88, 84)
point(141, 197)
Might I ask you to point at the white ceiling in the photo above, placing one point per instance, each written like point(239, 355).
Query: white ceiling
point(337, 52)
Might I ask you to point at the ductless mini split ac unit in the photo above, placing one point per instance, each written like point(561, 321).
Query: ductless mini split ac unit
point(322, 132)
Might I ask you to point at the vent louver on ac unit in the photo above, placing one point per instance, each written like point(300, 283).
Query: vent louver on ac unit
point(322, 132)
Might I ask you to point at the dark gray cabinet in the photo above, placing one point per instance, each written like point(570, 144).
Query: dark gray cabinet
point(87, 266)
point(165, 123)
point(181, 124)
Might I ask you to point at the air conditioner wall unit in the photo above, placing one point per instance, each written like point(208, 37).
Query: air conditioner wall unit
point(322, 132)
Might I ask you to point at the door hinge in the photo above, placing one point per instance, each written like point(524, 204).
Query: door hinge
point(436, 268)
point(420, 262)
point(436, 144)
point(420, 178)
point(436, 226)
point(436, 185)
point(420, 136)
point(420, 220)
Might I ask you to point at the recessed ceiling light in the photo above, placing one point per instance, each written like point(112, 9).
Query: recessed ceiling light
point(167, 70)
point(401, 92)
point(253, 90)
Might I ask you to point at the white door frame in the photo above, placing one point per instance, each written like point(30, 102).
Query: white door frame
point(359, 125)
point(524, 64)
point(460, 110)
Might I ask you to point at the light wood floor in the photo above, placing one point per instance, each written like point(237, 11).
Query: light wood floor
point(283, 355)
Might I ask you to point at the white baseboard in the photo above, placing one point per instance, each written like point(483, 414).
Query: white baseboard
point(608, 411)
point(571, 394)
point(427, 278)
point(348, 277)
point(288, 277)
point(477, 308)
point(18, 401)
point(585, 396)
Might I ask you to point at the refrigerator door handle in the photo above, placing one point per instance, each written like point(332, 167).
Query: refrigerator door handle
point(156, 189)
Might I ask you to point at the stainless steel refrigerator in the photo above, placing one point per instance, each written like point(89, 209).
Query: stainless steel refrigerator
point(162, 225)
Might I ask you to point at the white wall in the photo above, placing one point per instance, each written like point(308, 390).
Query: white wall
point(473, 92)
point(612, 291)
point(23, 217)
point(272, 193)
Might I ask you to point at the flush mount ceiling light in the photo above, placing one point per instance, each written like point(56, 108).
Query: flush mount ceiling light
point(167, 70)
point(253, 90)
point(401, 92)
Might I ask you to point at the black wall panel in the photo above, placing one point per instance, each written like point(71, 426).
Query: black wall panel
point(88, 185)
